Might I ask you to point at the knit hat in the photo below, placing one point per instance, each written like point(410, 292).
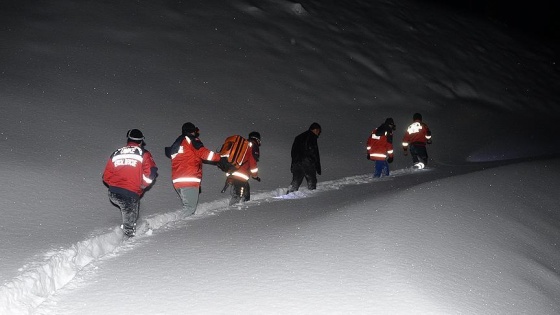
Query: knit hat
point(417, 116)
point(135, 135)
point(188, 127)
point(255, 135)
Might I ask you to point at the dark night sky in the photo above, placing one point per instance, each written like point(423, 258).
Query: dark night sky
point(537, 17)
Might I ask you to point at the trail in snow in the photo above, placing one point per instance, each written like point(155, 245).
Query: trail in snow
point(41, 279)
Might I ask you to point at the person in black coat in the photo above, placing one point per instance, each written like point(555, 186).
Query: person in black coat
point(305, 158)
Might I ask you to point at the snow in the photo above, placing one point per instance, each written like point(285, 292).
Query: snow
point(477, 232)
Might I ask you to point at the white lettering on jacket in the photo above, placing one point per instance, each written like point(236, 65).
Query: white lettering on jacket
point(414, 128)
point(128, 156)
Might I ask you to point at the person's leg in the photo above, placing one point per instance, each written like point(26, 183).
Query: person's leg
point(189, 198)
point(414, 154)
point(384, 168)
point(236, 192)
point(246, 196)
point(378, 169)
point(239, 191)
point(129, 207)
point(297, 178)
point(310, 176)
point(420, 156)
point(423, 155)
point(130, 216)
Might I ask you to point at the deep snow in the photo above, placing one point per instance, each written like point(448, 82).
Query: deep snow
point(76, 76)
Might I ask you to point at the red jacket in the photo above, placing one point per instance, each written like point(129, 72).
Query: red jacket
point(417, 133)
point(130, 170)
point(378, 147)
point(248, 167)
point(187, 155)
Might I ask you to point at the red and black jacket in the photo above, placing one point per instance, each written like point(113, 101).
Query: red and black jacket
point(130, 170)
point(187, 155)
point(248, 167)
point(417, 133)
point(379, 147)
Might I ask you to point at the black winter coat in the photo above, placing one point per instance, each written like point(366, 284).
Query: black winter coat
point(306, 151)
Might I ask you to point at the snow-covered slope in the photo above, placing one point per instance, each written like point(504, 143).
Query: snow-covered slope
point(76, 76)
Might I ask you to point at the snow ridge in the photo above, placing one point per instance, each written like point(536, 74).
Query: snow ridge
point(27, 291)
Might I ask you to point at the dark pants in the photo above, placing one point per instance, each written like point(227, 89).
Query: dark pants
point(129, 207)
point(381, 168)
point(419, 155)
point(240, 192)
point(299, 172)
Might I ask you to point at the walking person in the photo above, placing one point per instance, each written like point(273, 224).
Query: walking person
point(417, 136)
point(187, 155)
point(380, 147)
point(306, 162)
point(239, 178)
point(129, 171)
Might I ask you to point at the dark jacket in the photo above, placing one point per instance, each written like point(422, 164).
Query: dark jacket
point(385, 130)
point(306, 151)
point(255, 149)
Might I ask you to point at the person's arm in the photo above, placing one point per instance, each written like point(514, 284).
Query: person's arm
point(149, 170)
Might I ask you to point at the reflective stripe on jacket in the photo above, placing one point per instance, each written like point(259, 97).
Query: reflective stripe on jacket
point(417, 133)
point(130, 168)
point(378, 146)
point(187, 155)
point(248, 168)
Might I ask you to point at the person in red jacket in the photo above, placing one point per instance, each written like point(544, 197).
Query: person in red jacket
point(187, 155)
point(417, 135)
point(129, 171)
point(239, 178)
point(380, 147)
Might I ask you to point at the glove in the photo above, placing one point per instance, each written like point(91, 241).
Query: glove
point(223, 164)
point(367, 157)
point(429, 141)
point(405, 153)
point(390, 159)
point(258, 179)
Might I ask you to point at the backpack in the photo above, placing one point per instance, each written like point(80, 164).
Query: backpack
point(234, 149)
